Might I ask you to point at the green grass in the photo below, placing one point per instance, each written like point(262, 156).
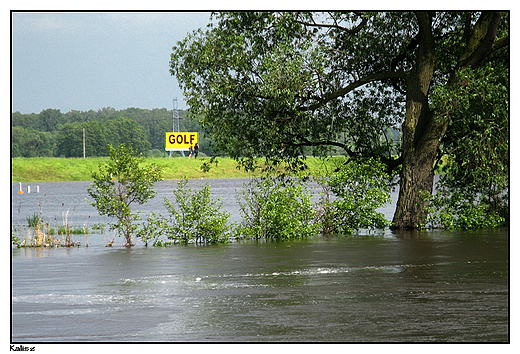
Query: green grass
point(48, 169)
point(53, 169)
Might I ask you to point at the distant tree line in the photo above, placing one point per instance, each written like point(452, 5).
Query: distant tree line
point(56, 134)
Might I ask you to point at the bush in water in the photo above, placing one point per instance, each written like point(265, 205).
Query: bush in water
point(276, 209)
point(452, 208)
point(196, 218)
point(358, 189)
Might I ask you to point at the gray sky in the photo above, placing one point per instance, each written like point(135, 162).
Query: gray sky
point(82, 61)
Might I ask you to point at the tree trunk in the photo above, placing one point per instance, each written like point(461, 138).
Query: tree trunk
point(128, 231)
point(421, 135)
point(420, 145)
point(422, 130)
point(416, 179)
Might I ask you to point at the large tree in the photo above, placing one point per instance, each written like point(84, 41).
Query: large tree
point(262, 83)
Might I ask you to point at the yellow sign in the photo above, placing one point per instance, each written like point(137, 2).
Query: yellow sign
point(181, 140)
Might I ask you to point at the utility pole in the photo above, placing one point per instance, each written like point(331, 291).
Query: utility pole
point(175, 115)
point(83, 142)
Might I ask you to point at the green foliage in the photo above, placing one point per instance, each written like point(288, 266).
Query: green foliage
point(259, 82)
point(194, 217)
point(30, 143)
point(122, 181)
point(67, 230)
point(69, 140)
point(281, 85)
point(358, 189)
point(97, 135)
point(15, 240)
point(125, 130)
point(277, 209)
point(478, 141)
point(457, 209)
point(474, 191)
point(152, 229)
point(34, 220)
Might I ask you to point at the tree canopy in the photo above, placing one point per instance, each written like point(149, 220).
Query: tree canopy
point(280, 85)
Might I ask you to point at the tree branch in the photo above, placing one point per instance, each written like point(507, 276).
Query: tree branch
point(362, 81)
point(335, 25)
point(391, 163)
point(501, 43)
point(482, 40)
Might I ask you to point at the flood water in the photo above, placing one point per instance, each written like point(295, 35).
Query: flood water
point(448, 286)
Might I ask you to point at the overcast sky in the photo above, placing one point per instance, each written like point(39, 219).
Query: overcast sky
point(82, 61)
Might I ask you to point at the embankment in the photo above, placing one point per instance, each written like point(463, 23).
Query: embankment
point(53, 169)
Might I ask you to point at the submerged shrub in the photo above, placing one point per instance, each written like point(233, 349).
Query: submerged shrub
point(152, 229)
point(196, 218)
point(458, 207)
point(353, 193)
point(277, 209)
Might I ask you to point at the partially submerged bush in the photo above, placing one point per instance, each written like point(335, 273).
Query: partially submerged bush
point(194, 217)
point(197, 218)
point(277, 209)
point(462, 208)
point(358, 189)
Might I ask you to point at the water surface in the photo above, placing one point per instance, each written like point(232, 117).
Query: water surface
point(413, 287)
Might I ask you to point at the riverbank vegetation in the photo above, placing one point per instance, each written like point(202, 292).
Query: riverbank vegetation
point(42, 233)
point(272, 208)
point(193, 218)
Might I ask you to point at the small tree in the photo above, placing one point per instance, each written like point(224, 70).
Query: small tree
point(121, 182)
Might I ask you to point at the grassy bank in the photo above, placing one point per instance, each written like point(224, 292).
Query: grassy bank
point(53, 169)
point(49, 169)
